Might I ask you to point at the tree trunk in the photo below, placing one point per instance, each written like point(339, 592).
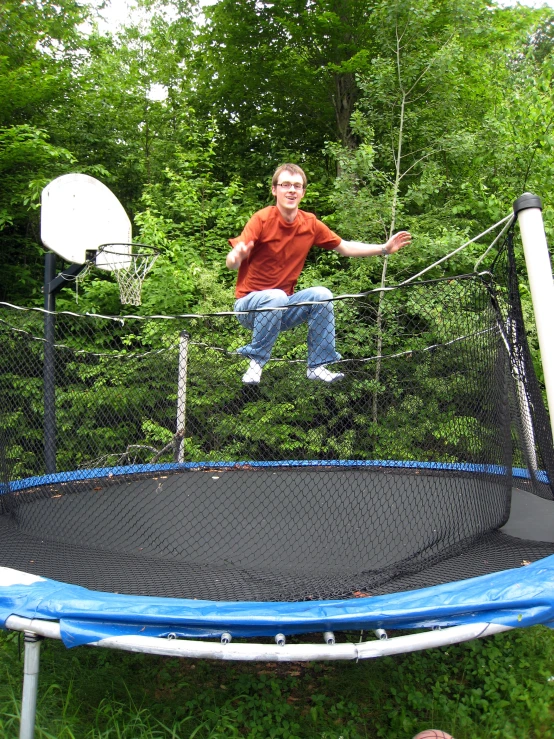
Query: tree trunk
point(394, 206)
point(344, 98)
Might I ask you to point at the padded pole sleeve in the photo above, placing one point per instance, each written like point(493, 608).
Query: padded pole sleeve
point(528, 210)
point(181, 396)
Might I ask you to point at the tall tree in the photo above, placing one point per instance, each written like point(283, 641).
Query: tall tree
point(433, 116)
point(39, 48)
point(426, 110)
point(133, 96)
point(280, 76)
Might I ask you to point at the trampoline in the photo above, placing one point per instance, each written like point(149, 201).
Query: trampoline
point(150, 502)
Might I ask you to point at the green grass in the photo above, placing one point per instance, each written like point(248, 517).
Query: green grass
point(498, 687)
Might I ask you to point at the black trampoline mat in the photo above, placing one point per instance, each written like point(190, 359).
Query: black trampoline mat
point(122, 573)
point(302, 520)
point(265, 534)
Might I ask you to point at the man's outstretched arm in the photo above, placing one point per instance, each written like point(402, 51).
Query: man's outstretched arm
point(238, 254)
point(359, 249)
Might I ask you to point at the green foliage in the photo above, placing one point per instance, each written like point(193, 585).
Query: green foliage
point(132, 99)
point(28, 161)
point(434, 155)
point(472, 694)
point(39, 44)
point(498, 688)
point(458, 96)
point(259, 79)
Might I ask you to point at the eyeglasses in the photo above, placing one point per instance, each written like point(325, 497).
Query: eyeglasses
point(287, 185)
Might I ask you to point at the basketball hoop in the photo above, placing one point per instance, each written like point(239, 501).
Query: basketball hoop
point(130, 268)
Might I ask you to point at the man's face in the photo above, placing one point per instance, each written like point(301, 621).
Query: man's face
point(289, 191)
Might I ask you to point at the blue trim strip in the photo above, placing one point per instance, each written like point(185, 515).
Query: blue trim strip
point(102, 472)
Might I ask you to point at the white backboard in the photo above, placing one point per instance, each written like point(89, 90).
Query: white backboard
point(79, 214)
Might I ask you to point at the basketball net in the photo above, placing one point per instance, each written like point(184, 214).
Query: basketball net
point(130, 269)
point(80, 279)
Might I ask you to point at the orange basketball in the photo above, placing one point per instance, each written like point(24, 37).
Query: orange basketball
point(433, 734)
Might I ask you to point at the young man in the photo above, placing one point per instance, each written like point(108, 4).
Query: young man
point(269, 256)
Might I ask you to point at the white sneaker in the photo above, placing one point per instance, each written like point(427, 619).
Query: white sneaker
point(253, 374)
point(323, 374)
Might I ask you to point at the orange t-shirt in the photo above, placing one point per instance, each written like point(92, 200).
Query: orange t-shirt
point(280, 249)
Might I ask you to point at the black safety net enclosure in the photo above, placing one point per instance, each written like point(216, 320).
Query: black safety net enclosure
point(135, 460)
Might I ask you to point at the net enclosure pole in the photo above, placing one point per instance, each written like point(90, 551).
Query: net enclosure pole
point(30, 685)
point(528, 211)
point(181, 396)
point(49, 365)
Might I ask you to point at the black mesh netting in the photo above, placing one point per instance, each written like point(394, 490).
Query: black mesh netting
point(396, 476)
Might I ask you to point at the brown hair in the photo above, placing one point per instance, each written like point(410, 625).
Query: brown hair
point(293, 169)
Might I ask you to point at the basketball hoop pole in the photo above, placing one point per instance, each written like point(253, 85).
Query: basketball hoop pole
point(52, 286)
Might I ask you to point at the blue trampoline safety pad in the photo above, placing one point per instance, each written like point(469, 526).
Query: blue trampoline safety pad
point(517, 597)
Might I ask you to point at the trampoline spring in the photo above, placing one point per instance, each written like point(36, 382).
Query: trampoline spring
point(226, 637)
point(329, 637)
point(381, 634)
point(280, 640)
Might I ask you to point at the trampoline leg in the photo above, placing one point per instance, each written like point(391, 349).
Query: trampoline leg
point(30, 685)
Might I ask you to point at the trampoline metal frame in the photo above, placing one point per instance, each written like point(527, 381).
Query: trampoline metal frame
point(528, 209)
point(35, 630)
point(278, 652)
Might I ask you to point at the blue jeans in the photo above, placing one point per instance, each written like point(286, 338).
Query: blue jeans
point(267, 325)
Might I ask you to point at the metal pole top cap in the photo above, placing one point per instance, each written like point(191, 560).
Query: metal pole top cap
point(527, 200)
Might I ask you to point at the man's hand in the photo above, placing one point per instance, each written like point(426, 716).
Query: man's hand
point(238, 254)
point(398, 241)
